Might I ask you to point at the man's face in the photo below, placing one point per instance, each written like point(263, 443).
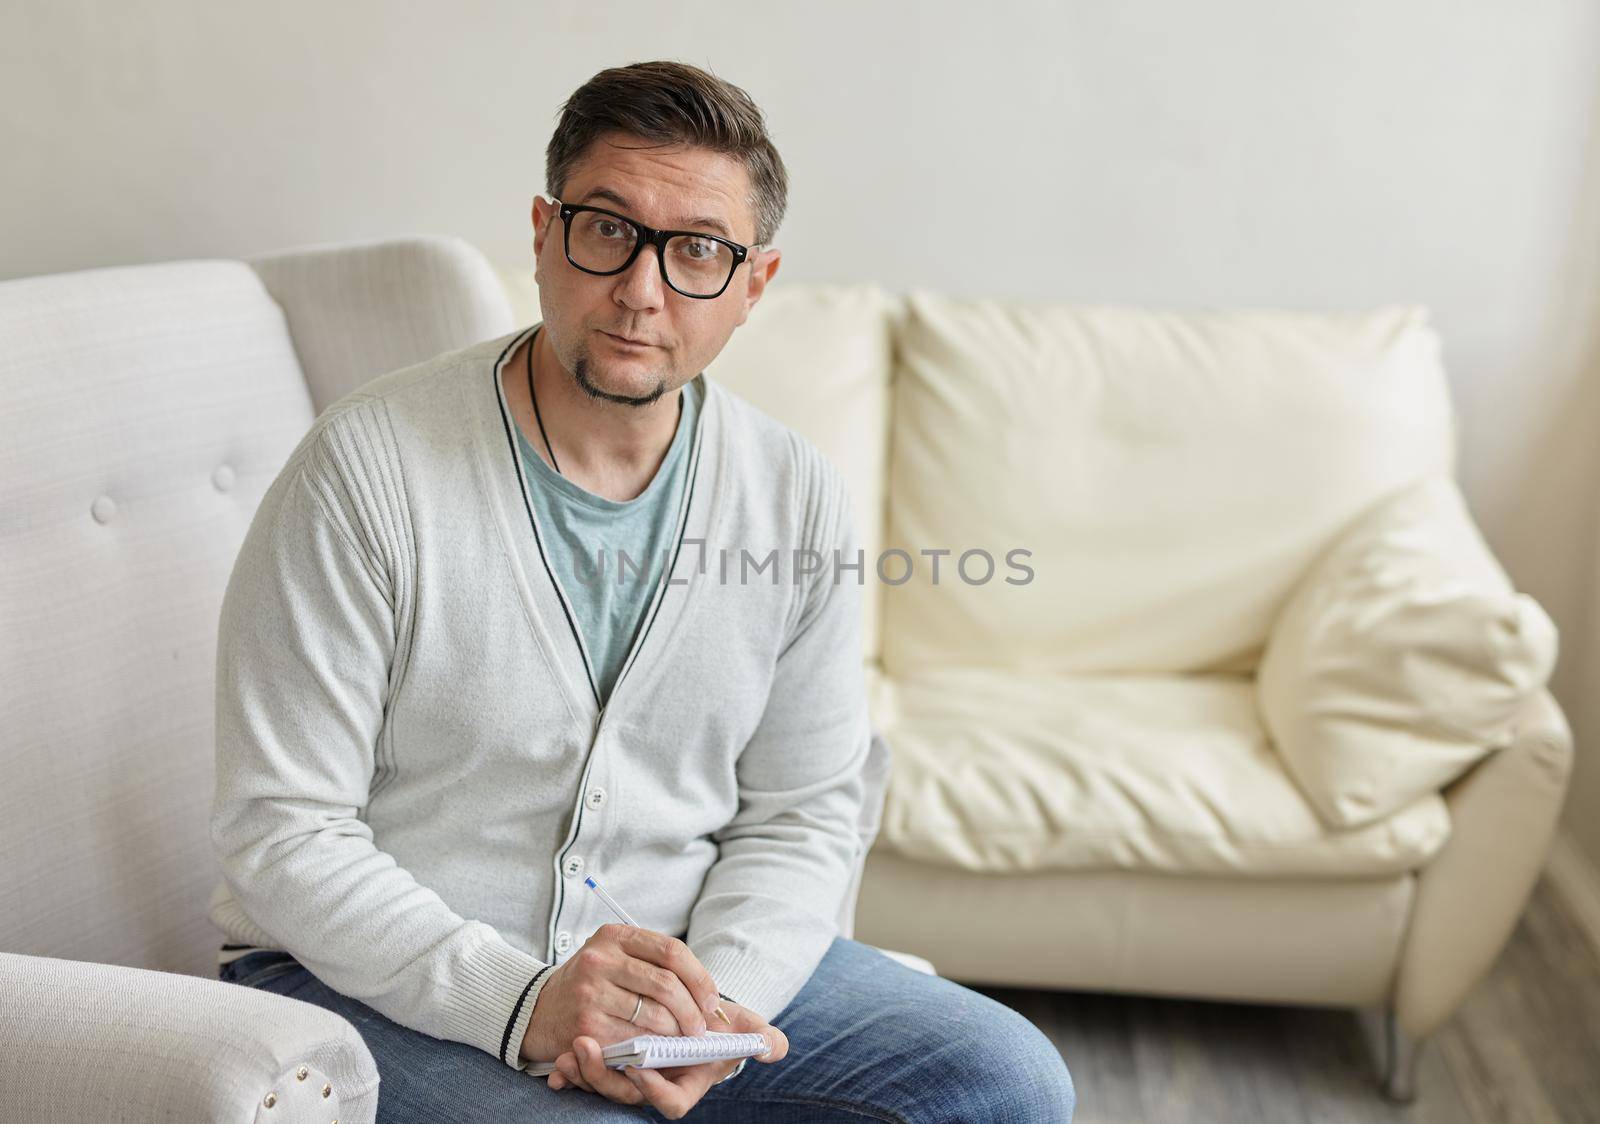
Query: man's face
point(674, 188)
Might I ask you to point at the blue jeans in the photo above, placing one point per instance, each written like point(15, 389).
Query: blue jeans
point(869, 1039)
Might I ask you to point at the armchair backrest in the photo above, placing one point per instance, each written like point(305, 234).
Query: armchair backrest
point(144, 410)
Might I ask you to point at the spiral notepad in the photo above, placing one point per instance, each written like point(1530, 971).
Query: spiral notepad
point(658, 1051)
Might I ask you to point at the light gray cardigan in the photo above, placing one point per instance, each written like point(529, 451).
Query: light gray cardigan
point(413, 771)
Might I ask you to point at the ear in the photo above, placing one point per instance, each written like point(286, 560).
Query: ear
point(763, 264)
point(544, 220)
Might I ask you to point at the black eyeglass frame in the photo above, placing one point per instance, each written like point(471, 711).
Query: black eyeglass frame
point(648, 235)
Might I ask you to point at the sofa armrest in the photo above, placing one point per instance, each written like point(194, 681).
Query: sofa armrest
point(1503, 815)
point(87, 1041)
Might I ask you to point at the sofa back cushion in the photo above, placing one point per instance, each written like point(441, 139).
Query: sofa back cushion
point(1172, 474)
point(817, 358)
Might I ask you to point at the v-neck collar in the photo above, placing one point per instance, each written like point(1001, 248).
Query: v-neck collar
point(661, 479)
point(548, 608)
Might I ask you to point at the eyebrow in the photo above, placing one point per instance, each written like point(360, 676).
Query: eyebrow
point(711, 221)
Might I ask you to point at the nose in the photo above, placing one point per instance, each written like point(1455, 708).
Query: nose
point(640, 287)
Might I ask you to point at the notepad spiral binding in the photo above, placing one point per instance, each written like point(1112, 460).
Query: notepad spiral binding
point(691, 1046)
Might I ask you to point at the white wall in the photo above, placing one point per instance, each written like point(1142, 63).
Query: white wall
point(1156, 151)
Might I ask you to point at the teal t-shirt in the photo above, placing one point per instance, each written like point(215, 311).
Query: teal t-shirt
point(586, 537)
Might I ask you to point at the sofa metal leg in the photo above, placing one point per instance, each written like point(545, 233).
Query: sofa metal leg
point(1400, 1077)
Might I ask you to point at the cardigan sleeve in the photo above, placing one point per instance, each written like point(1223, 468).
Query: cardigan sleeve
point(768, 909)
point(305, 645)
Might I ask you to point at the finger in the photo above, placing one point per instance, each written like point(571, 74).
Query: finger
point(567, 1066)
point(711, 1071)
point(777, 1045)
point(601, 1077)
point(653, 1015)
point(672, 1098)
point(664, 991)
point(673, 955)
point(748, 1022)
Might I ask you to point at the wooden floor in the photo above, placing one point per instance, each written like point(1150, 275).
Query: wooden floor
point(1525, 1047)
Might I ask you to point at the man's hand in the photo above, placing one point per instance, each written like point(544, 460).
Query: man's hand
point(594, 993)
point(673, 1090)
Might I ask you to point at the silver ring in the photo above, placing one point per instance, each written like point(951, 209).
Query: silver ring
point(637, 1007)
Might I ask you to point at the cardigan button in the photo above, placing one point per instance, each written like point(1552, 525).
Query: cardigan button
point(563, 941)
point(574, 865)
point(597, 796)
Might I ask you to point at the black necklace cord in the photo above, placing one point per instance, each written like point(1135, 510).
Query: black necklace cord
point(536, 416)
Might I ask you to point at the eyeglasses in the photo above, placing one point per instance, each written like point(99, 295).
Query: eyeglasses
point(603, 242)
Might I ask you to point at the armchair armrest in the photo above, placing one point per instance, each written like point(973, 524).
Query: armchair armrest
point(1400, 659)
point(87, 1041)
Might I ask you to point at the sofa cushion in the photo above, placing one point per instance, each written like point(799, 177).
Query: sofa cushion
point(1006, 773)
point(1173, 474)
point(1401, 658)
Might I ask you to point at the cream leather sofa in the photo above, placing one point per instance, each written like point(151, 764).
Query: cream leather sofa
point(1267, 722)
point(1098, 735)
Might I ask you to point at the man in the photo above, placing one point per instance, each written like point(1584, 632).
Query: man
point(484, 638)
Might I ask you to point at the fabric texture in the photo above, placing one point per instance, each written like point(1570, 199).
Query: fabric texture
point(81, 1041)
point(869, 1039)
point(144, 410)
point(608, 555)
point(413, 769)
point(359, 309)
point(1400, 659)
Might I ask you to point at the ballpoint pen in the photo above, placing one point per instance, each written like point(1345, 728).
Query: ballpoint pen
point(622, 915)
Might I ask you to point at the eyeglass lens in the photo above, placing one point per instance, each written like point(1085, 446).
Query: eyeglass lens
point(699, 266)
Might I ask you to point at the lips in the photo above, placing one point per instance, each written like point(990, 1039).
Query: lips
point(626, 340)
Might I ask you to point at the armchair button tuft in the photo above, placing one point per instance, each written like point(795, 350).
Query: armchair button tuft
point(270, 1099)
point(327, 1090)
point(300, 1074)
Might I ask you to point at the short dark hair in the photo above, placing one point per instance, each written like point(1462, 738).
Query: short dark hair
point(672, 103)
